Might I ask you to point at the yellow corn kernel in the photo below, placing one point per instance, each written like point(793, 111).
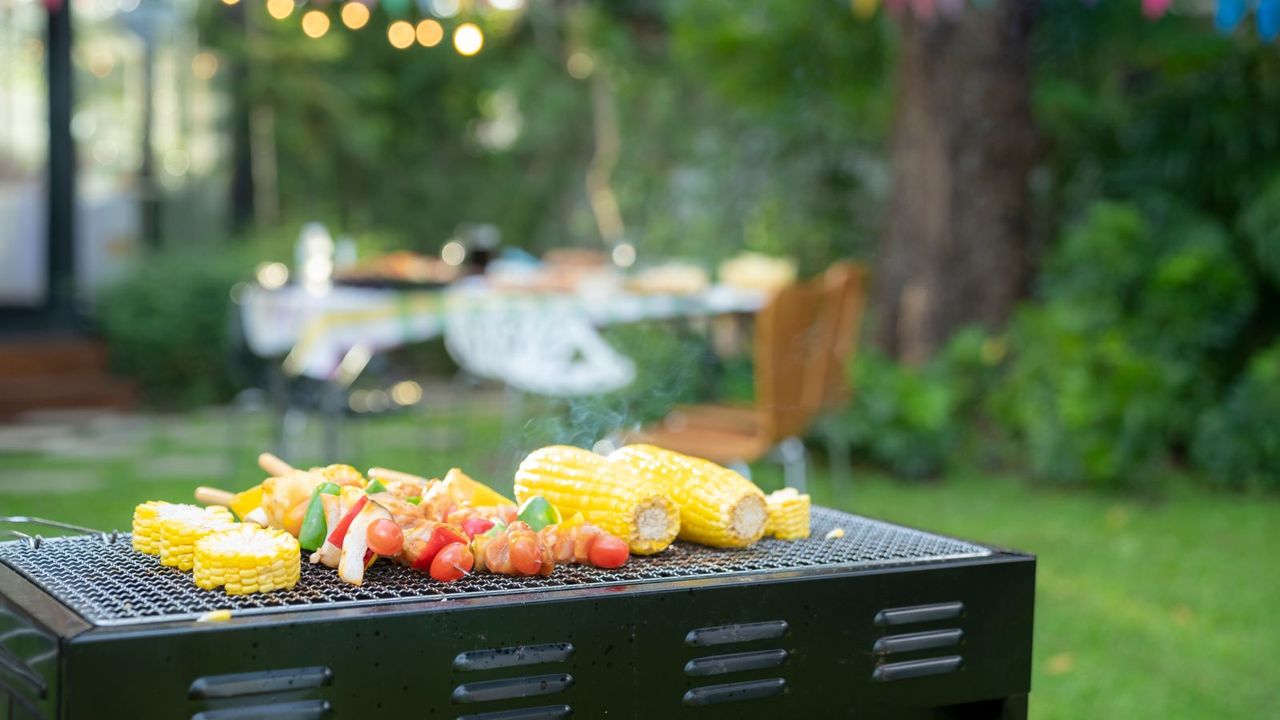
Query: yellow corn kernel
point(182, 525)
point(247, 559)
point(718, 507)
point(788, 515)
point(609, 496)
point(146, 529)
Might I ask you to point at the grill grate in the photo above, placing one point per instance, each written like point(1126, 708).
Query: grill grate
point(110, 584)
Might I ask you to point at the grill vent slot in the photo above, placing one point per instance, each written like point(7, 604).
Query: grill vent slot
point(911, 642)
point(732, 634)
point(735, 692)
point(892, 617)
point(257, 683)
point(917, 668)
point(549, 712)
point(736, 662)
point(517, 656)
point(511, 688)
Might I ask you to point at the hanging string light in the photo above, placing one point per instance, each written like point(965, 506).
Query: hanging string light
point(315, 23)
point(403, 29)
point(355, 14)
point(468, 39)
point(430, 33)
point(400, 34)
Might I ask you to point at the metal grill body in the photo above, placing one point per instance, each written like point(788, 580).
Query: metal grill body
point(884, 622)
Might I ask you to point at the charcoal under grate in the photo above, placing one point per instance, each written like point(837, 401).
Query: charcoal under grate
point(110, 584)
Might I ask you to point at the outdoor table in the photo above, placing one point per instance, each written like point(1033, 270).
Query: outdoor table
point(316, 331)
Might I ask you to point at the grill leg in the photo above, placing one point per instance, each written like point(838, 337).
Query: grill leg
point(1013, 707)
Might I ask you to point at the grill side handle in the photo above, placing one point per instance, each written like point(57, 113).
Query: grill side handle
point(34, 541)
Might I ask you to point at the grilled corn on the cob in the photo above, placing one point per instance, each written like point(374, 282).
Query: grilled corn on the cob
point(247, 559)
point(718, 507)
point(182, 525)
point(608, 495)
point(788, 515)
point(146, 526)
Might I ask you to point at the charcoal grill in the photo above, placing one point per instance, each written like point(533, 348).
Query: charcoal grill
point(884, 622)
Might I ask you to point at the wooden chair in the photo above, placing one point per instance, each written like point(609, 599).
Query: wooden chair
point(804, 340)
point(786, 355)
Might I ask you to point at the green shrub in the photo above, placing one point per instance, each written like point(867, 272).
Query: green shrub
point(166, 325)
point(1088, 406)
point(1196, 296)
point(1237, 443)
point(1260, 223)
point(1100, 262)
point(901, 418)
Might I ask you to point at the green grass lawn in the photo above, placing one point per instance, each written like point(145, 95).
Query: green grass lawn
point(1145, 609)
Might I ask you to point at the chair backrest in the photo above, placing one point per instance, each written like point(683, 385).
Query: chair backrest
point(844, 295)
point(786, 341)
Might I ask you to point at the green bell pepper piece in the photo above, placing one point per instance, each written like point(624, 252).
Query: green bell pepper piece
point(314, 526)
point(375, 486)
point(413, 500)
point(497, 529)
point(538, 512)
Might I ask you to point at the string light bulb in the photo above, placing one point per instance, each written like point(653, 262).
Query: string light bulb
point(401, 34)
point(355, 14)
point(468, 39)
point(279, 9)
point(315, 23)
point(430, 33)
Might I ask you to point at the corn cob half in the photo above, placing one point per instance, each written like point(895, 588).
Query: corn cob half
point(788, 515)
point(146, 526)
point(609, 496)
point(247, 559)
point(718, 507)
point(182, 525)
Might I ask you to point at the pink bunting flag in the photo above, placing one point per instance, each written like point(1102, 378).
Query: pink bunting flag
point(1155, 9)
point(924, 9)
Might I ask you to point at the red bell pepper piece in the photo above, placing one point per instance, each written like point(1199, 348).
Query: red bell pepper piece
point(441, 535)
point(340, 530)
point(474, 526)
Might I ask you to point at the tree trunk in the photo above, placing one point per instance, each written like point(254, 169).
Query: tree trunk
point(962, 148)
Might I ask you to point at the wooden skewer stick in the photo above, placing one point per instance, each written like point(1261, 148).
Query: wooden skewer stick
point(274, 466)
point(395, 475)
point(214, 496)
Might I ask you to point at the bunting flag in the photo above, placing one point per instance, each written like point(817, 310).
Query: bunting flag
point(1155, 9)
point(1227, 17)
point(865, 8)
point(1230, 13)
point(1269, 19)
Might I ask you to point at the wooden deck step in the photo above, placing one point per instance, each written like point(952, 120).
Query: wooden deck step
point(59, 372)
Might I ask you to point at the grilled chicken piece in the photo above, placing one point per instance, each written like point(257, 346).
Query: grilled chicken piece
point(570, 545)
point(516, 551)
point(285, 498)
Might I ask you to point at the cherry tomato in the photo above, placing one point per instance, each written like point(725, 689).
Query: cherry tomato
point(526, 554)
point(384, 537)
point(476, 526)
point(453, 562)
point(608, 552)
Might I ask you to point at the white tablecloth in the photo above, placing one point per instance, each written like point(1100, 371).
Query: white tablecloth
point(315, 331)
